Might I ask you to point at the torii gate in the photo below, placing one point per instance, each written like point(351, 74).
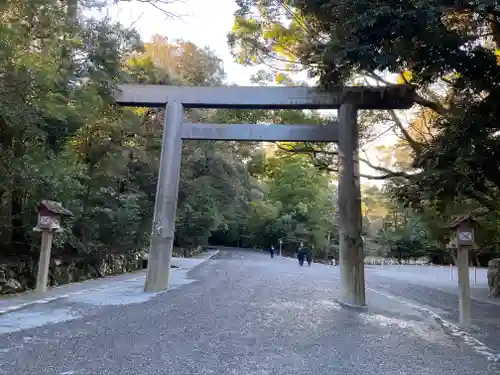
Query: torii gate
point(347, 99)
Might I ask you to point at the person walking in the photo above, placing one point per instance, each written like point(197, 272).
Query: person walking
point(301, 254)
point(271, 250)
point(309, 257)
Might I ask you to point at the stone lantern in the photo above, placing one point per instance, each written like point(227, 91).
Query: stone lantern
point(50, 214)
point(462, 233)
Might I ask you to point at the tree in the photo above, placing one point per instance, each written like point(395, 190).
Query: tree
point(182, 62)
point(42, 95)
point(449, 50)
point(298, 204)
point(64, 139)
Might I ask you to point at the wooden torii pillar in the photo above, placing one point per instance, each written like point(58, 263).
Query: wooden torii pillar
point(348, 100)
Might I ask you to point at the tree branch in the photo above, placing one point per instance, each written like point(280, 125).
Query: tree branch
point(489, 203)
point(305, 150)
point(313, 155)
point(371, 177)
point(418, 99)
point(159, 5)
point(415, 146)
point(436, 107)
point(387, 172)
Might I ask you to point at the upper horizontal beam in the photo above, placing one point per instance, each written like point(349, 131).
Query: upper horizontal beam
point(387, 97)
point(261, 132)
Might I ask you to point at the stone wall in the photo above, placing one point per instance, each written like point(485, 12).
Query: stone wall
point(19, 276)
point(494, 277)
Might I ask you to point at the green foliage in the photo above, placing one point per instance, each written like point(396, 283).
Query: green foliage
point(297, 204)
point(449, 50)
point(63, 138)
point(400, 232)
point(409, 239)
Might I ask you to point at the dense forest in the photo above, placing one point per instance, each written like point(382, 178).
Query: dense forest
point(63, 138)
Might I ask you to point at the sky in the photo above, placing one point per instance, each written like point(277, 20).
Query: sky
point(205, 23)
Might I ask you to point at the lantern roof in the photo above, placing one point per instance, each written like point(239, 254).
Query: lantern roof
point(54, 207)
point(457, 220)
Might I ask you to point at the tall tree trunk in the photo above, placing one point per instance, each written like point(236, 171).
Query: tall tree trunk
point(18, 237)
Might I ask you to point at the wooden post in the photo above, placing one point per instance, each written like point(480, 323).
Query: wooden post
point(50, 214)
point(327, 250)
point(464, 286)
point(349, 200)
point(462, 239)
point(43, 263)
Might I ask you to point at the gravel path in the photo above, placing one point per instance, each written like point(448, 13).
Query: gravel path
point(433, 288)
point(238, 313)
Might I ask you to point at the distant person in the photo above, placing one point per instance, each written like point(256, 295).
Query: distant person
point(271, 250)
point(301, 254)
point(309, 256)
